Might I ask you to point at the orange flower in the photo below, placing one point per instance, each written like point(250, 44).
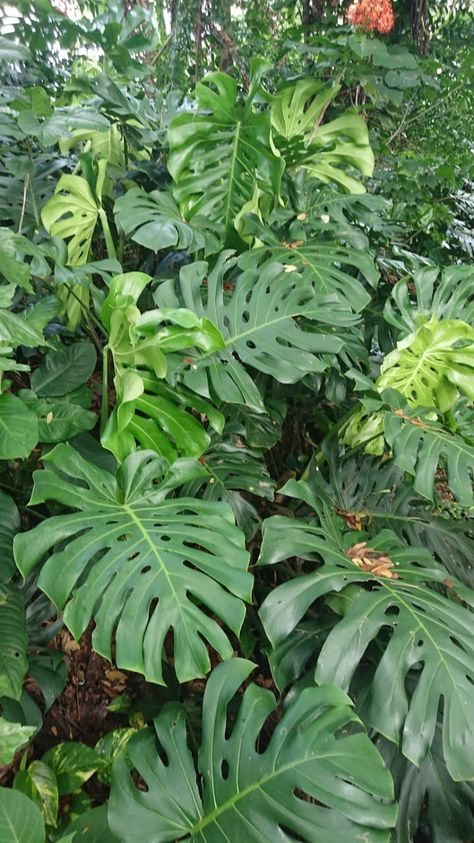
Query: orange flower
point(372, 15)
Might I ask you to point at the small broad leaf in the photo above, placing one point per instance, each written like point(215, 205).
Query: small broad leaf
point(137, 561)
point(39, 783)
point(64, 370)
point(72, 764)
point(18, 428)
point(12, 737)
point(319, 776)
point(20, 819)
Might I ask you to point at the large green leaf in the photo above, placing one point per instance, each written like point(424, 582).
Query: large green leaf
point(18, 428)
point(259, 321)
point(221, 154)
point(139, 563)
point(326, 266)
point(64, 370)
point(147, 410)
point(297, 113)
point(422, 446)
point(431, 295)
point(154, 221)
point(232, 469)
point(20, 819)
point(432, 366)
point(153, 415)
point(375, 494)
point(12, 737)
point(13, 642)
point(319, 777)
point(431, 634)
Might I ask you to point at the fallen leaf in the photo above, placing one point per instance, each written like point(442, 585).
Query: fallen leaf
point(372, 561)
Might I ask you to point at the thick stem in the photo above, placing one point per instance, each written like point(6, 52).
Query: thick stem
point(109, 243)
point(104, 406)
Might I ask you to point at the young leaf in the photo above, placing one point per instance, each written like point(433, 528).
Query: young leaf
point(18, 428)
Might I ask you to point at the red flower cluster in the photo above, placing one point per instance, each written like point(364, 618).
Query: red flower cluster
point(372, 15)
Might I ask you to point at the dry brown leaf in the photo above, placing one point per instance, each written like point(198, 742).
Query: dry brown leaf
point(372, 561)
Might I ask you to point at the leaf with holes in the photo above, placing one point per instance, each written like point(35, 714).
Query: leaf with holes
point(259, 321)
point(219, 155)
point(319, 777)
point(328, 267)
point(422, 446)
point(139, 563)
point(431, 635)
point(72, 213)
point(153, 220)
point(432, 366)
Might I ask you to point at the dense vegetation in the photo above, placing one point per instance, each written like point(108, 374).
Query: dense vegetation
point(236, 422)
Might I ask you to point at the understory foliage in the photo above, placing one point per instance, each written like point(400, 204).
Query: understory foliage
point(236, 422)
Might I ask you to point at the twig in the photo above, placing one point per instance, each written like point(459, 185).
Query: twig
point(23, 204)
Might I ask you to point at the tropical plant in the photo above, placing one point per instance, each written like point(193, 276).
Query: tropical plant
point(236, 423)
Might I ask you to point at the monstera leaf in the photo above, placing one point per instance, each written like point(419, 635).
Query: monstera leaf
point(429, 793)
point(322, 148)
point(384, 586)
point(153, 415)
point(437, 295)
point(137, 561)
point(326, 266)
point(221, 154)
point(366, 491)
point(259, 324)
point(234, 468)
point(153, 220)
point(72, 214)
point(319, 776)
point(433, 365)
point(147, 411)
point(422, 446)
